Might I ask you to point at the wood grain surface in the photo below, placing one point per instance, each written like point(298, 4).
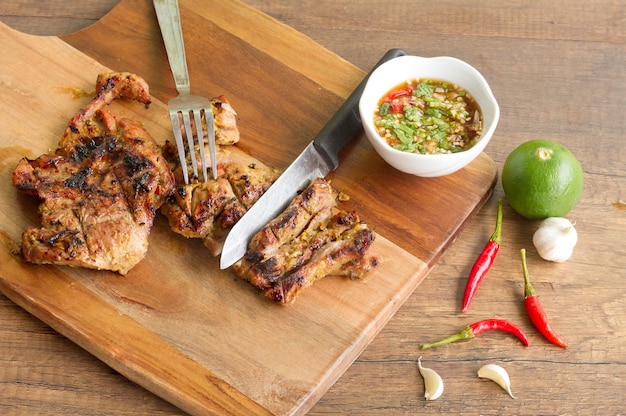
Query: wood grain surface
point(557, 71)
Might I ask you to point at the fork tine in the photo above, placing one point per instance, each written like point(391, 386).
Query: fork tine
point(190, 142)
point(208, 118)
point(197, 115)
point(179, 144)
point(168, 16)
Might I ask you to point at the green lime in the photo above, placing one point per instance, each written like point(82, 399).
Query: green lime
point(542, 179)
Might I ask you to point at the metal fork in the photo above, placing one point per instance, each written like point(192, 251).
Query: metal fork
point(185, 107)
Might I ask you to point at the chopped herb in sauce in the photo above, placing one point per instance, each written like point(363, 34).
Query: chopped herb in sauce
point(429, 117)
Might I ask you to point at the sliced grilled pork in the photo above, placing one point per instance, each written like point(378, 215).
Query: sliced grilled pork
point(208, 210)
point(310, 239)
point(349, 256)
point(100, 190)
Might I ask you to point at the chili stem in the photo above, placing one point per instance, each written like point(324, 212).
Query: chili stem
point(497, 234)
point(465, 333)
point(484, 261)
point(528, 289)
point(535, 311)
point(479, 327)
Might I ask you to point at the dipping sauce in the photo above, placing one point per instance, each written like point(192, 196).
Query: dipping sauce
point(429, 117)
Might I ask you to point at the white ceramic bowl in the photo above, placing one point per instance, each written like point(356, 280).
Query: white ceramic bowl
point(394, 72)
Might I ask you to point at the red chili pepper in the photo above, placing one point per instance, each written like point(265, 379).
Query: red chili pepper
point(535, 311)
point(396, 107)
point(403, 92)
point(479, 327)
point(483, 262)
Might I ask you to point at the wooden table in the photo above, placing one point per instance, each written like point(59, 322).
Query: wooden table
point(557, 69)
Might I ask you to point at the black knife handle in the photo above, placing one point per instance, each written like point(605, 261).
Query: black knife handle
point(346, 122)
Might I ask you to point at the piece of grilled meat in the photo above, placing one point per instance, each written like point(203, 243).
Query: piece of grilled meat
point(208, 210)
point(101, 188)
point(312, 238)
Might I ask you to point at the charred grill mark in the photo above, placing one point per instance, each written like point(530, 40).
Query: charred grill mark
point(77, 180)
point(85, 148)
point(134, 164)
point(347, 218)
point(94, 147)
point(110, 83)
point(66, 235)
point(253, 257)
point(230, 214)
point(288, 220)
point(270, 269)
point(141, 184)
point(363, 240)
point(111, 144)
point(307, 195)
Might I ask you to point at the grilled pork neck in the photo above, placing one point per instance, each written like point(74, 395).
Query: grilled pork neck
point(101, 188)
point(312, 238)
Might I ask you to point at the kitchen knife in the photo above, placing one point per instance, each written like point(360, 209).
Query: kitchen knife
point(318, 158)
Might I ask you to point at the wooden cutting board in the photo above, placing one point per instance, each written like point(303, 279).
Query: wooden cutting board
point(195, 335)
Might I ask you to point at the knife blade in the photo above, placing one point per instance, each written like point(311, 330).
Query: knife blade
point(320, 157)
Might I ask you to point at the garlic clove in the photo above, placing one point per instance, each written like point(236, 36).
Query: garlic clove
point(498, 375)
point(433, 383)
point(555, 239)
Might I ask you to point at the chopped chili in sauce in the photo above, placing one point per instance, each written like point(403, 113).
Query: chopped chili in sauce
point(429, 117)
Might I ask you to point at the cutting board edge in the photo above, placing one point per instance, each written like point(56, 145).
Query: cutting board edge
point(340, 82)
point(117, 353)
point(367, 336)
point(182, 395)
point(470, 216)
